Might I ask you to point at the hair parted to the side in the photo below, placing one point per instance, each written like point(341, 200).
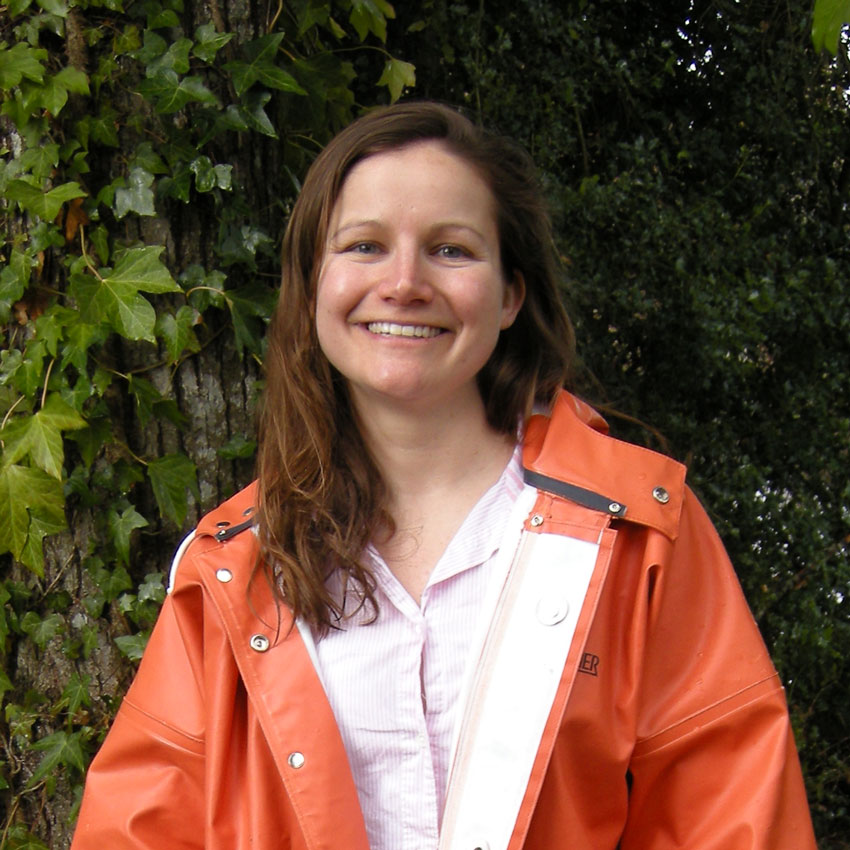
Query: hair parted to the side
point(321, 498)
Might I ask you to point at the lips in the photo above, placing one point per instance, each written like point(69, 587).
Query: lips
point(395, 329)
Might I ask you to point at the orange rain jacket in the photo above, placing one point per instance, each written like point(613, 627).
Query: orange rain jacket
point(669, 727)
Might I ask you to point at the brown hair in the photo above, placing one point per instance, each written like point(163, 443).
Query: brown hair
point(321, 498)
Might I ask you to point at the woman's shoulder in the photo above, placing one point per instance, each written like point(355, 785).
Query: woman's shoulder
point(224, 533)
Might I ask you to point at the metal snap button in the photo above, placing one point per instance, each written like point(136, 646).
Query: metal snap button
point(224, 575)
point(260, 643)
point(615, 508)
point(551, 611)
point(660, 495)
point(537, 520)
point(296, 760)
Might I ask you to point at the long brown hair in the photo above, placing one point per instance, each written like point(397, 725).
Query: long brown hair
point(321, 497)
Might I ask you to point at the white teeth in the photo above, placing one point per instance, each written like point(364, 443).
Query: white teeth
point(392, 329)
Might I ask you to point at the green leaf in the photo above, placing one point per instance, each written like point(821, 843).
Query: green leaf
point(20, 62)
point(121, 527)
point(175, 58)
point(42, 631)
point(138, 196)
point(254, 113)
point(132, 646)
point(54, 7)
point(177, 331)
point(45, 205)
point(209, 176)
point(238, 447)
point(208, 42)
point(370, 16)
point(40, 435)
point(829, 18)
point(40, 161)
point(172, 93)
point(248, 304)
point(73, 79)
point(141, 267)
point(76, 693)
point(152, 589)
point(259, 66)
point(23, 525)
point(396, 76)
point(61, 749)
point(171, 476)
point(146, 396)
point(20, 838)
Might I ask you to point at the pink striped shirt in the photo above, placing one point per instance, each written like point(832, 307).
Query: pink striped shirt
point(394, 684)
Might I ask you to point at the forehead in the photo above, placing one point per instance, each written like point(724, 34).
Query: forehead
point(425, 176)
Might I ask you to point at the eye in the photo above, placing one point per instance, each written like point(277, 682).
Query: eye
point(452, 252)
point(366, 249)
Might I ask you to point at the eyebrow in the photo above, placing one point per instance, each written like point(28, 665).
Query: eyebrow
point(435, 228)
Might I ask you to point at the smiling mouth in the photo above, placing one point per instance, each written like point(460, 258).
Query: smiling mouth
point(393, 329)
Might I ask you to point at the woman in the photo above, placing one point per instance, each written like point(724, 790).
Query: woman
point(466, 618)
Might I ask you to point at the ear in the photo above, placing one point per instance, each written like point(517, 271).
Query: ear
point(513, 300)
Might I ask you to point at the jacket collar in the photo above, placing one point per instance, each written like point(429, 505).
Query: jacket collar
point(571, 455)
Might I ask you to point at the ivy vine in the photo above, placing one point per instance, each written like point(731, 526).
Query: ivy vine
point(115, 112)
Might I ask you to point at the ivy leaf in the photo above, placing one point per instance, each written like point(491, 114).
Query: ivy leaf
point(177, 331)
point(172, 93)
point(141, 268)
point(238, 447)
point(54, 7)
point(61, 749)
point(175, 58)
point(171, 476)
point(40, 435)
point(115, 296)
point(76, 693)
point(121, 527)
point(254, 113)
point(371, 16)
point(151, 589)
point(42, 630)
point(45, 205)
point(247, 304)
point(40, 161)
point(19, 62)
point(24, 523)
point(396, 76)
point(53, 94)
point(20, 838)
point(208, 42)
point(260, 66)
point(132, 646)
point(138, 196)
point(209, 176)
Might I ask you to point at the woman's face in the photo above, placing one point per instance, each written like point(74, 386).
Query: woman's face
point(411, 296)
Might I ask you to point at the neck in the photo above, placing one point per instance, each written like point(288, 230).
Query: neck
point(425, 452)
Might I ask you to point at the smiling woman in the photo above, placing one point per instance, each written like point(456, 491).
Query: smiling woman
point(467, 617)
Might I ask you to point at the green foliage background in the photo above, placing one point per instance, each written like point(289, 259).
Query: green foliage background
point(695, 156)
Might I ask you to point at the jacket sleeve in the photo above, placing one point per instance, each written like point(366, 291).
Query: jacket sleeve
point(715, 765)
point(145, 788)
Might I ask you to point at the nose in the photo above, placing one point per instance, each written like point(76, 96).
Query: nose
point(406, 278)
